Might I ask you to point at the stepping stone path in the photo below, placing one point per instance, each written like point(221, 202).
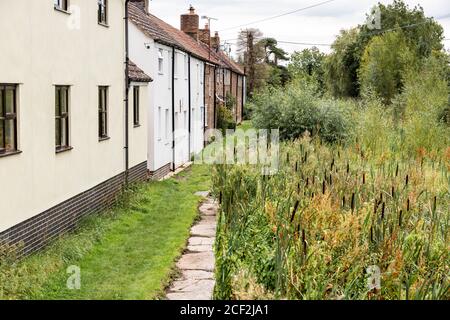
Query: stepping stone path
point(196, 280)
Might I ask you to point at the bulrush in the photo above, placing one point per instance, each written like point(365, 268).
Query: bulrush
point(295, 210)
point(353, 202)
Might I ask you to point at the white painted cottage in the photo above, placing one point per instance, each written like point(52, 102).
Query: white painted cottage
point(176, 100)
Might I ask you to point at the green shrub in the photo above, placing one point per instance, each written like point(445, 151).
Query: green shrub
point(297, 109)
point(384, 65)
point(225, 119)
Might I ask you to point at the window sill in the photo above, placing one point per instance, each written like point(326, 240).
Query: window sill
point(10, 153)
point(103, 24)
point(103, 139)
point(63, 149)
point(61, 10)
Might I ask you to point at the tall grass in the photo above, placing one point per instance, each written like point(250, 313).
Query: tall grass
point(332, 211)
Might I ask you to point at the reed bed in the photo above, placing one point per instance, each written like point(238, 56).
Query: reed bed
point(316, 228)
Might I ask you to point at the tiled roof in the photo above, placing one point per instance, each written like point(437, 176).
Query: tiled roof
point(141, 20)
point(184, 41)
point(163, 32)
point(230, 63)
point(136, 74)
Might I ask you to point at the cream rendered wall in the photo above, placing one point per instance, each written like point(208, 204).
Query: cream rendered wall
point(144, 53)
point(38, 51)
point(197, 105)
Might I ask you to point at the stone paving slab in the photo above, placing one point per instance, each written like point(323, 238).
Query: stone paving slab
point(193, 285)
point(197, 261)
point(204, 230)
point(201, 241)
point(196, 280)
point(199, 248)
point(197, 275)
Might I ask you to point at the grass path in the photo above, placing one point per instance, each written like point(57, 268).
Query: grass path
point(128, 253)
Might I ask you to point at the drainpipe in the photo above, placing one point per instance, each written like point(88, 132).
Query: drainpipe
point(127, 89)
point(173, 108)
point(237, 93)
point(224, 87)
point(215, 96)
point(242, 97)
point(204, 101)
point(190, 106)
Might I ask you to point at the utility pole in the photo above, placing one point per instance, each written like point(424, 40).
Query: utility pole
point(251, 61)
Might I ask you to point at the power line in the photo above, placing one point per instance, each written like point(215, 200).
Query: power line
point(279, 16)
point(293, 42)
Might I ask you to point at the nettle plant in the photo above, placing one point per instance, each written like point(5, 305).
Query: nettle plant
point(331, 214)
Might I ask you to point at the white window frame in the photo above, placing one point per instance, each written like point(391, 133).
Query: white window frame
point(160, 61)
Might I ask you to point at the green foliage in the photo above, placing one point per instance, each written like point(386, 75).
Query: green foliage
point(342, 64)
point(385, 65)
point(273, 54)
point(422, 35)
point(278, 77)
point(226, 119)
point(309, 64)
point(296, 109)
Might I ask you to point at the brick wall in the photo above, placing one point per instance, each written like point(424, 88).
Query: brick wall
point(160, 173)
point(35, 233)
point(209, 95)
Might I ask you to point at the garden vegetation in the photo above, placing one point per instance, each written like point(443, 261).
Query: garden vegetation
point(364, 173)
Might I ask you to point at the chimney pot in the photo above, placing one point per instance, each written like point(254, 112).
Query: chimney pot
point(215, 41)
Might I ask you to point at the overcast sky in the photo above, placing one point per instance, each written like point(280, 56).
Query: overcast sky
point(317, 25)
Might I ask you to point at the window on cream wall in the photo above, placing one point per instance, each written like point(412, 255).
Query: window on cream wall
point(136, 103)
point(62, 118)
point(8, 119)
point(102, 11)
point(103, 113)
point(61, 4)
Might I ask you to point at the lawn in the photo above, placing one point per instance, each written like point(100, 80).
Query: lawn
point(128, 252)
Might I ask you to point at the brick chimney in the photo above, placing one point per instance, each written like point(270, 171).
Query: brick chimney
point(190, 23)
point(215, 41)
point(204, 34)
point(143, 4)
